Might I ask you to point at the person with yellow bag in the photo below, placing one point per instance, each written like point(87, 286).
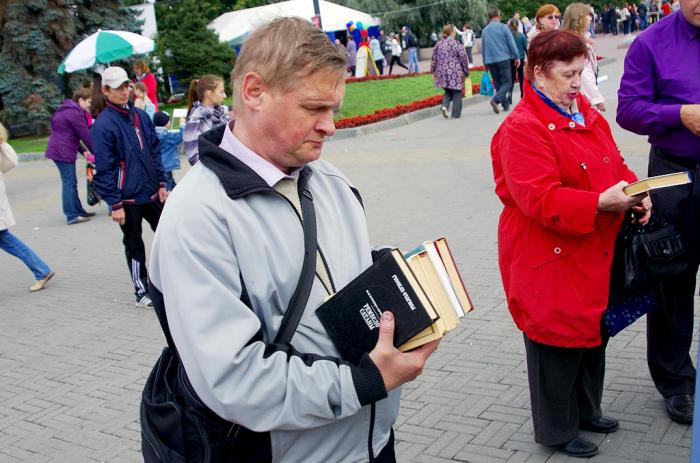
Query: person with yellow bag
point(449, 67)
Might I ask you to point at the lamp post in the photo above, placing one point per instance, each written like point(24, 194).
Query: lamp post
point(317, 15)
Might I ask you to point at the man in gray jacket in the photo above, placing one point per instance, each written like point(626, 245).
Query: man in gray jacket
point(229, 250)
point(498, 50)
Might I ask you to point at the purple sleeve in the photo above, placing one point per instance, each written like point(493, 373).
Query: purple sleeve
point(463, 60)
point(637, 110)
point(81, 129)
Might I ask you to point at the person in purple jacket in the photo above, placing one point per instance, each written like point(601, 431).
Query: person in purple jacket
point(659, 96)
point(69, 128)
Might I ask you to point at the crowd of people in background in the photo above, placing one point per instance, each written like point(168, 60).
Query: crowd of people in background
point(115, 123)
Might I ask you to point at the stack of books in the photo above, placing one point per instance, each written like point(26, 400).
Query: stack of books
point(423, 289)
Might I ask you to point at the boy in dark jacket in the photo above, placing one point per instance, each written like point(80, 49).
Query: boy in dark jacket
point(130, 175)
point(169, 142)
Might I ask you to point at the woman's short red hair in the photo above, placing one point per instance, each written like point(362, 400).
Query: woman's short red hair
point(550, 46)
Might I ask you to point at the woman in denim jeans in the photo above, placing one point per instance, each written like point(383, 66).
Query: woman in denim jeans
point(9, 242)
point(69, 127)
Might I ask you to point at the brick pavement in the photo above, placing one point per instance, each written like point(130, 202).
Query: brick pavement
point(73, 358)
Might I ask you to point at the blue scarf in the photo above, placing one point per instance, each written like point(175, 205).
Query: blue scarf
point(576, 117)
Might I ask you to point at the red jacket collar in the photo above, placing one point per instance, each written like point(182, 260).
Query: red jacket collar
point(551, 118)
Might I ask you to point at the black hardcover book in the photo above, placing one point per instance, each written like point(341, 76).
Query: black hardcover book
point(351, 317)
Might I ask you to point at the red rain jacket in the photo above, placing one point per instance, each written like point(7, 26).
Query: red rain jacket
point(554, 249)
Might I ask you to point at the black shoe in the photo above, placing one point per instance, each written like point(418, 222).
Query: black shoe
point(680, 408)
point(88, 214)
point(603, 425)
point(578, 447)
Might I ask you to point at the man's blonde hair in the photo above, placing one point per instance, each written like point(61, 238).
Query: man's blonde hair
point(283, 51)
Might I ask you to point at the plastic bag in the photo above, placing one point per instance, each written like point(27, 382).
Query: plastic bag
point(486, 86)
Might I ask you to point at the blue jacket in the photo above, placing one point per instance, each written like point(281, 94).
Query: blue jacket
point(497, 43)
point(169, 139)
point(127, 157)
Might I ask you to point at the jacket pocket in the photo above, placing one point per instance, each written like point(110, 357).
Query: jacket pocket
point(543, 247)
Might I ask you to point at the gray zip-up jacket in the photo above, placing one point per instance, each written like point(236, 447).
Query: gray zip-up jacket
point(224, 229)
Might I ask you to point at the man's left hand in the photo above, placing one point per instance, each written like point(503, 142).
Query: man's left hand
point(162, 194)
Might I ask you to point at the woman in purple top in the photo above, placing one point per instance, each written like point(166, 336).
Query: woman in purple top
point(69, 127)
point(449, 67)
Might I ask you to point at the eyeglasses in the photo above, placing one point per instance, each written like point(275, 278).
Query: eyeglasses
point(553, 16)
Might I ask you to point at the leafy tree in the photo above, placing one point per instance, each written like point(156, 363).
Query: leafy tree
point(35, 35)
point(186, 46)
point(422, 16)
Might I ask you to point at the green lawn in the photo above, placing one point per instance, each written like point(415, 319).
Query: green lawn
point(33, 144)
point(361, 98)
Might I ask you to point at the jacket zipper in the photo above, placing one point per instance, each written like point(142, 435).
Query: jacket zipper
point(370, 447)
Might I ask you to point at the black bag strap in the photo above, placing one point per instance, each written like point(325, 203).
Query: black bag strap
point(295, 310)
point(300, 297)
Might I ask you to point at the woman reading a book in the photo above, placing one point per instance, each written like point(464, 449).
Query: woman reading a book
point(560, 177)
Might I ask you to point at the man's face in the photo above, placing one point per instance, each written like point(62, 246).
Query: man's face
point(117, 96)
point(691, 11)
point(297, 122)
point(516, 15)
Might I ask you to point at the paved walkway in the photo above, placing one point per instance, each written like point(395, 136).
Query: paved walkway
point(74, 357)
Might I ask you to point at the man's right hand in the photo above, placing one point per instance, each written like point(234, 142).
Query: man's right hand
point(395, 366)
point(690, 117)
point(119, 216)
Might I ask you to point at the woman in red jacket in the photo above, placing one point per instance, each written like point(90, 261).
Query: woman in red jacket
point(143, 74)
point(560, 176)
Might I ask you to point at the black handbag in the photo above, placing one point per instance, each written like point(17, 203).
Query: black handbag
point(176, 426)
point(92, 196)
point(645, 255)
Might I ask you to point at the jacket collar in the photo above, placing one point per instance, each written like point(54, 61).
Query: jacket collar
point(238, 179)
point(552, 119)
point(126, 112)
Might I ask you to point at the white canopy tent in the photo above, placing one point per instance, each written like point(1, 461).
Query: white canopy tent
point(233, 27)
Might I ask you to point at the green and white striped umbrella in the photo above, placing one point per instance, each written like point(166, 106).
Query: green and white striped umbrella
point(105, 47)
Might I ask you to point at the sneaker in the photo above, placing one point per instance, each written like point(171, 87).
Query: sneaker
point(79, 219)
point(144, 301)
point(444, 112)
point(89, 214)
point(41, 283)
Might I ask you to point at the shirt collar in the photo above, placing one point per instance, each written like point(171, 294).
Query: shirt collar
point(553, 119)
point(265, 169)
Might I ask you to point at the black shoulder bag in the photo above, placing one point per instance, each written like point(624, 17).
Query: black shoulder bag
point(645, 255)
point(176, 426)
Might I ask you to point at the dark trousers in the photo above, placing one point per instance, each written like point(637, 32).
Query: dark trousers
point(72, 207)
point(502, 81)
point(397, 60)
point(516, 72)
point(388, 454)
point(670, 325)
point(133, 242)
point(454, 97)
point(469, 54)
point(380, 65)
point(566, 387)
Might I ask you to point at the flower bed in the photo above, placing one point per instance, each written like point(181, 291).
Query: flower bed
point(389, 113)
point(350, 80)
